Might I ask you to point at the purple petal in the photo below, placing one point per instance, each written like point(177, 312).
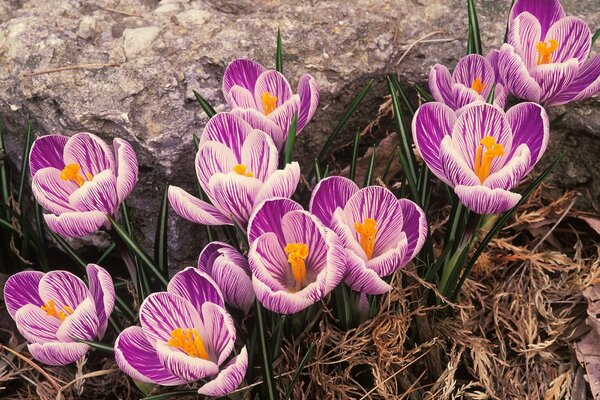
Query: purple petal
point(274, 83)
point(484, 200)
point(586, 84)
point(267, 216)
point(263, 123)
point(259, 155)
point(281, 183)
point(229, 378)
point(219, 331)
point(329, 194)
point(195, 286)
point(440, 85)
point(35, 326)
point(457, 171)
point(474, 67)
point(241, 72)
point(51, 191)
point(500, 96)
point(574, 39)
point(530, 126)
point(127, 168)
point(234, 195)
point(390, 261)
point(463, 95)
point(241, 97)
point(21, 289)
point(57, 353)
point(336, 261)
point(138, 359)
point(268, 262)
point(82, 324)
point(279, 301)
point(98, 195)
point(362, 279)
point(64, 288)
point(103, 293)
point(91, 153)
point(431, 123)
point(47, 151)
point(553, 78)
point(512, 172)
point(195, 210)
point(283, 115)
point(161, 313)
point(514, 73)
point(213, 158)
point(76, 223)
point(302, 227)
point(180, 364)
point(345, 229)
point(308, 90)
point(414, 226)
point(524, 35)
point(545, 11)
point(228, 129)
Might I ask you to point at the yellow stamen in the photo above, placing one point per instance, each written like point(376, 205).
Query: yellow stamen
point(269, 102)
point(240, 169)
point(72, 172)
point(189, 341)
point(297, 253)
point(477, 85)
point(367, 231)
point(483, 159)
point(50, 309)
point(545, 50)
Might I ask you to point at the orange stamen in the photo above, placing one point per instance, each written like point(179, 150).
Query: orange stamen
point(269, 102)
point(367, 231)
point(51, 311)
point(72, 172)
point(189, 341)
point(478, 85)
point(483, 159)
point(545, 50)
point(240, 169)
point(297, 253)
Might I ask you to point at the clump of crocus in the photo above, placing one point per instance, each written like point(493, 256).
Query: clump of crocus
point(472, 80)
point(265, 99)
point(295, 260)
point(482, 152)
point(79, 180)
point(380, 232)
point(546, 57)
point(186, 335)
point(54, 310)
point(230, 270)
point(236, 166)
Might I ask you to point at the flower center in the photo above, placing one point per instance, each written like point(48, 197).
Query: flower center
point(486, 152)
point(367, 231)
point(72, 172)
point(269, 102)
point(477, 85)
point(545, 50)
point(297, 253)
point(51, 311)
point(189, 341)
point(240, 169)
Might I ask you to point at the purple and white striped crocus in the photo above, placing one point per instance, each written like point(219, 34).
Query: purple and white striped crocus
point(295, 260)
point(52, 310)
point(186, 335)
point(546, 57)
point(380, 232)
point(79, 180)
point(237, 168)
point(230, 270)
point(472, 80)
point(482, 152)
point(265, 99)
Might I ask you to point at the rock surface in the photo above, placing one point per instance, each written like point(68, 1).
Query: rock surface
point(134, 63)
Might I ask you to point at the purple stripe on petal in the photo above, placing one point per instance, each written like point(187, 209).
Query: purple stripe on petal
point(274, 83)
point(574, 39)
point(284, 114)
point(500, 95)
point(127, 168)
point(586, 84)
point(268, 262)
point(64, 288)
point(259, 155)
point(47, 151)
point(513, 171)
point(263, 123)
point(343, 225)
point(553, 78)
point(524, 35)
point(329, 194)
point(21, 289)
point(234, 195)
point(57, 353)
point(473, 67)
point(195, 286)
point(336, 261)
point(241, 97)
point(302, 227)
point(76, 224)
point(463, 95)
point(138, 359)
point(279, 301)
point(35, 326)
point(362, 279)
point(281, 183)
point(440, 85)
point(229, 378)
point(82, 324)
point(308, 90)
point(219, 331)
point(514, 73)
point(390, 261)
point(91, 153)
point(228, 129)
point(186, 367)
point(195, 210)
point(546, 11)
point(267, 216)
point(456, 169)
point(98, 195)
point(51, 191)
point(415, 227)
point(103, 293)
point(484, 200)
point(530, 126)
point(241, 72)
point(213, 158)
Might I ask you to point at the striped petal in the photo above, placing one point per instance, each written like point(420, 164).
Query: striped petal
point(547, 12)
point(274, 83)
point(530, 126)
point(21, 289)
point(91, 153)
point(456, 169)
point(35, 325)
point(234, 195)
point(229, 378)
point(263, 123)
point(283, 115)
point(64, 288)
point(524, 34)
point(390, 261)
point(513, 171)
point(515, 75)
point(51, 191)
point(76, 223)
point(308, 90)
point(472, 67)
point(240, 97)
point(98, 195)
point(195, 286)
point(414, 226)
point(267, 216)
point(57, 353)
point(259, 155)
point(484, 200)
point(194, 209)
point(279, 301)
point(268, 263)
point(586, 84)
point(363, 279)
point(281, 183)
point(463, 96)
point(181, 365)
point(219, 331)
point(213, 158)
point(228, 129)
point(329, 194)
point(127, 168)
point(103, 294)
point(440, 85)
point(81, 325)
point(302, 227)
point(47, 151)
point(241, 72)
point(554, 78)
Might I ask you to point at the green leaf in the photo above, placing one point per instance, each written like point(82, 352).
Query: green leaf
point(208, 109)
point(24, 166)
point(278, 333)
point(596, 36)
point(241, 235)
point(267, 366)
point(106, 253)
point(290, 388)
point(369, 174)
point(142, 284)
point(490, 98)
point(398, 87)
point(554, 123)
point(69, 250)
point(171, 395)
point(474, 45)
point(291, 139)
point(97, 345)
point(124, 307)
point(279, 55)
point(424, 94)
point(317, 170)
point(354, 155)
point(4, 181)
point(388, 165)
point(340, 125)
point(8, 226)
point(160, 244)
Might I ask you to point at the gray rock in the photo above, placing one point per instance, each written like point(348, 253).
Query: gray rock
point(148, 56)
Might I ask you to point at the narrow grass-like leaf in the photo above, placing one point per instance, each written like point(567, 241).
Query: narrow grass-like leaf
point(317, 170)
point(291, 139)
point(208, 109)
point(160, 243)
point(369, 174)
point(279, 54)
point(143, 285)
point(354, 155)
point(97, 345)
point(474, 45)
point(425, 95)
point(267, 366)
point(407, 103)
point(554, 123)
point(8, 226)
point(4, 181)
point(290, 388)
point(278, 333)
point(171, 395)
point(124, 308)
point(326, 172)
point(39, 227)
point(338, 128)
point(388, 165)
point(69, 250)
point(106, 253)
point(490, 98)
point(24, 166)
point(596, 36)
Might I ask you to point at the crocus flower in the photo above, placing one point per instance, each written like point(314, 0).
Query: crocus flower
point(186, 335)
point(237, 168)
point(472, 80)
point(482, 152)
point(79, 180)
point(265, 99)
point(230, 270)
point(380, 232)
point(295, 260)
point(52, 310)
point(545, 59)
